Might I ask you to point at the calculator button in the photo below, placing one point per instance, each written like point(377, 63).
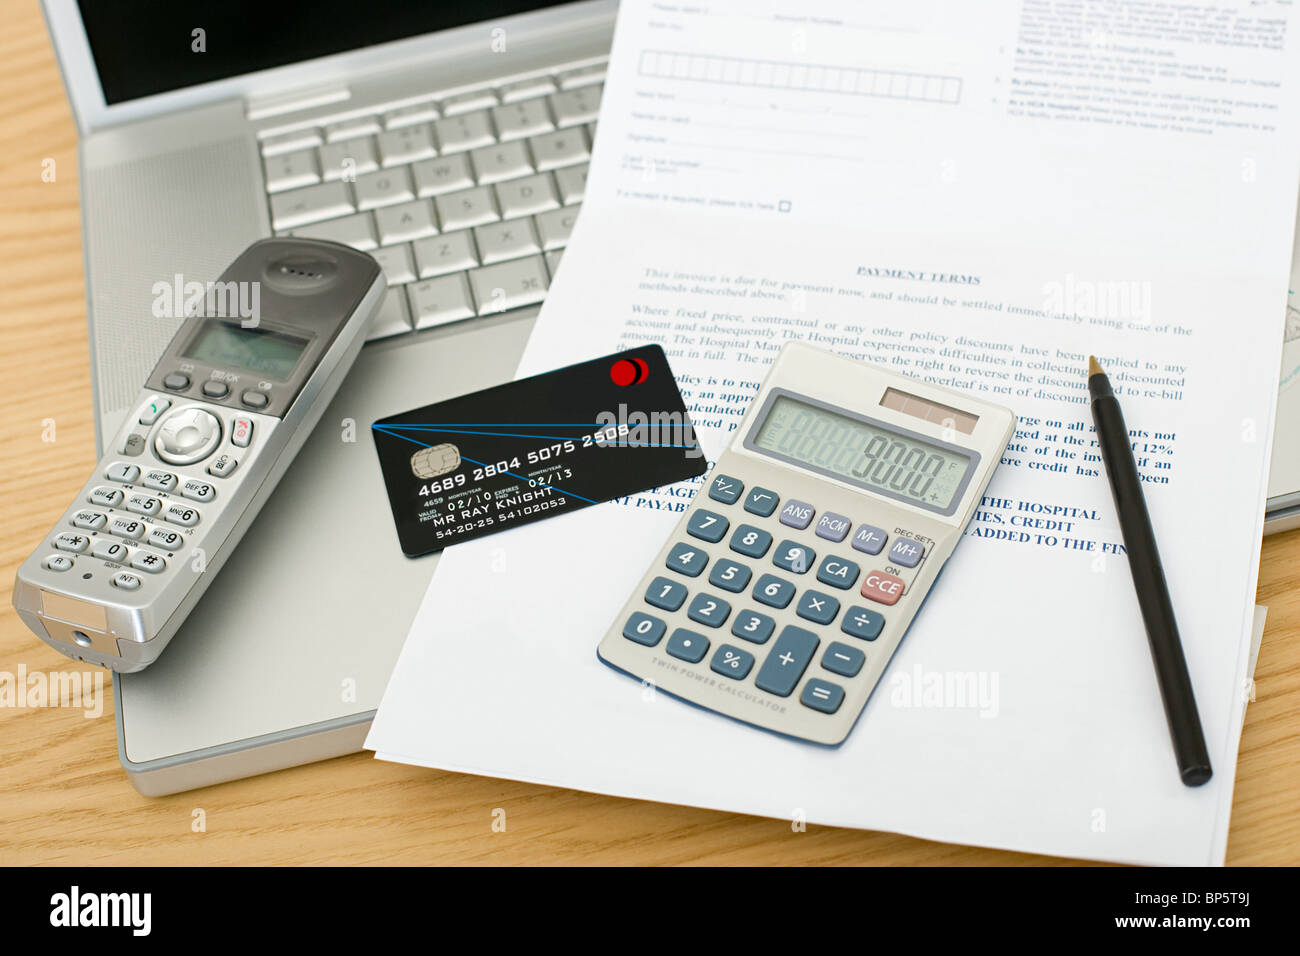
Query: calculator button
point(726, 489)
point(241, 431)
point(180, 514)
point(198, 490)
point(687, 645)
point(144, 561)
point(665, 594)
point(159, 480)
point(817, 607)
point(687, 560)
point(68, 541)
point(869, 538)
point(772, 591)
point(730, 575)
point(59, 562)
point(762, 502)
point(153, 408)
point(882, 588)
point(905, 552)
point(108, 497)
point(165, 539)
point(644, 629)
point(753, 626)
point(786, 661)
point(223, 466)
point(126, 527)
point(797, 514)
point(215, 389)
point(107, 549)
point(822, 695)
point(121, 471)
point(843, 660)
point(750, 541)
point(144, 505)
point(837, 572)
point(709, 610)
point(126, 581)
point(90, 520)
point(176, 381)
point(794, 557)
point(833, 527)
point(731, 662)
point(707, 526)
point(862, 623)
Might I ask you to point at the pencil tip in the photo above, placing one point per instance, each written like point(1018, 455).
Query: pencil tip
point(1093, 367)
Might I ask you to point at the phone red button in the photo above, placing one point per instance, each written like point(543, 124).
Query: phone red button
point(882, 588)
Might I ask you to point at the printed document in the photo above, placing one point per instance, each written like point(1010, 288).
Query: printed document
point(976, 194)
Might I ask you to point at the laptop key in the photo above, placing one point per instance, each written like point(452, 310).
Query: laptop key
point(526, 89)
point(553, 261)
point(406, 221)
point(357, 231)
point(309, 204)
point(393, 318)
point(577, 106)
point(348, 160)
point(288, 142)
point(466, 102)
point(502, 161)
point(509, 285)
point(555, 227)
point(564, 147)
point(525, 118)
point(439, 301)
point(385, 187)
point(444, 175)
point(396, 263)
point(506, 240)
point(459, 133)
point(572, 182)
point(469, 207)
point(409, 115)
point(450, 252)
point(406, 145)
point(351, 128)
point(526, 196)
point(291, 170)
point(582, 76)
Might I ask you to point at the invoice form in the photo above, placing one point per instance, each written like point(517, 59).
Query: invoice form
point(981, 195)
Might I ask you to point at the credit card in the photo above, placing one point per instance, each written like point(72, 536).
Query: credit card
point(535, 448)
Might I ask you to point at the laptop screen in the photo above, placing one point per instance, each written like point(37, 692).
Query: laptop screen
point(143, 47)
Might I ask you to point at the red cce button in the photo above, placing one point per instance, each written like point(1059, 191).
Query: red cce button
point(882, 588)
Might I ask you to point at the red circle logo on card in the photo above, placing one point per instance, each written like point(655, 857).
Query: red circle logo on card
point(629, 371)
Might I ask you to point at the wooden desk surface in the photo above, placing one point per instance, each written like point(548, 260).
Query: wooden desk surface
point(65, 799)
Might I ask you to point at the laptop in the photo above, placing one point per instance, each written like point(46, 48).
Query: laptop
point(449, 140)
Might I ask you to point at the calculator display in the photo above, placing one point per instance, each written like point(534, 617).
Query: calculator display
point(885, 460)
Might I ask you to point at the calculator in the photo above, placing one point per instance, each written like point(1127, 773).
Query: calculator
point(796, 570)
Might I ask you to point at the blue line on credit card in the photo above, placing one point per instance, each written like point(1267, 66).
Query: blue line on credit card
point(532, 481)
point(458, 431)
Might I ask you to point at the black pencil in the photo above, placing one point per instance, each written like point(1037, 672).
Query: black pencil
point(1149, 581)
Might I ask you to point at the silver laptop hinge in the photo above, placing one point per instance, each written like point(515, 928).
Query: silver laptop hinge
point(298, 100)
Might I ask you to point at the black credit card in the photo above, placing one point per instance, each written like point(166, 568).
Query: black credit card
point(535, 448)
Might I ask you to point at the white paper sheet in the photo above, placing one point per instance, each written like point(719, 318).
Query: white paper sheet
point(981, 195)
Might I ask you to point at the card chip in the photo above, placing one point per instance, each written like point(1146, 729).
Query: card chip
point(435, 461)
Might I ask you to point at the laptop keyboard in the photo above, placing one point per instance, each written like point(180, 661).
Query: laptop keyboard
point(466, 201)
